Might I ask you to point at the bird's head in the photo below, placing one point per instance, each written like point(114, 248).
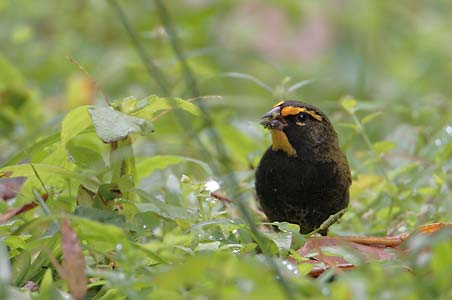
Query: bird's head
point(300, 130)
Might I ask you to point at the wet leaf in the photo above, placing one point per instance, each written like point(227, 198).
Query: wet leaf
point(112, 126)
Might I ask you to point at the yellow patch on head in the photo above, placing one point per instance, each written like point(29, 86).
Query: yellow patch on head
point(280, 142)
point(293, 110)
point(278, 104)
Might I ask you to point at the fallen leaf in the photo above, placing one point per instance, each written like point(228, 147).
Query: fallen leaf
point(73, 265)
point(324, 252)
point(12, 212)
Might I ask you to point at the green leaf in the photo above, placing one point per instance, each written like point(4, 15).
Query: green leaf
point(163, 210)
point(86, 158)
point(92, 231)
point(47, 281)
point(287, 227)
point(100, 215)
point(383, 146)
point(74, 123)
point(21, 267)
point(349, 103)
point(26, 170)
point(370, 117)
point(16, 242)
point(148, 165)
point(37, 147)
point(156, 105)
point(347, 125)
point(112, 126)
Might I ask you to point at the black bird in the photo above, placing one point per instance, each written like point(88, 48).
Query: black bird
point(303, 177)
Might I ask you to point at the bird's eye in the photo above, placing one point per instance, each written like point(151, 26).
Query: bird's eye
point(302, 117)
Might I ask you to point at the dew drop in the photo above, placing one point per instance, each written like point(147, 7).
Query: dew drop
point(449, 130)
point(438, 142)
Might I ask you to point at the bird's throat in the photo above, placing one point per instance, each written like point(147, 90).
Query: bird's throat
point(280, 142)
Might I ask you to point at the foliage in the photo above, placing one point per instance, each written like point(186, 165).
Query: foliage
point(132, 177)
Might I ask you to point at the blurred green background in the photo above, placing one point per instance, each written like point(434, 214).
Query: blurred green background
point(380, 69)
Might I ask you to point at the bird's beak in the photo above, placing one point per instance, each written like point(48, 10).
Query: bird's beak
point(273, 119)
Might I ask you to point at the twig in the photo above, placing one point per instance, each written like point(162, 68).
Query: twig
point(227, 201)
point(317, 271)
point(189, 100)
point(328, 222)
point(222, 198)
point(390, 241)
point(91, 78)
point(39, 178)
point(191, 82)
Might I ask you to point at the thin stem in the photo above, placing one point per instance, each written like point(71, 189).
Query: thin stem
point(379, 166)
point(190, 79)
point(151, 67)
point(91, 78)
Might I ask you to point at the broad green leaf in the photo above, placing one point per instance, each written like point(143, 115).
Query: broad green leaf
point(148, 165)
point(26, 170)
point(383, 146)
point(15, 243)
point(212, 246)
point(112, 126)
point(92, 231)
point(37, 147)
point(237, 277)
point(86, 158)
point(74, 123)
point(128, 105)
point(100, 215)
point(156, 105)
point(166, 211)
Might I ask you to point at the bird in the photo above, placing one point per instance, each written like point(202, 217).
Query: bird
point(303, 177)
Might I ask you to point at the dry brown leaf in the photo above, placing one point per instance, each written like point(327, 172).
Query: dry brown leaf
point(73, 261)
point(12, 212)
point(368, 248)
